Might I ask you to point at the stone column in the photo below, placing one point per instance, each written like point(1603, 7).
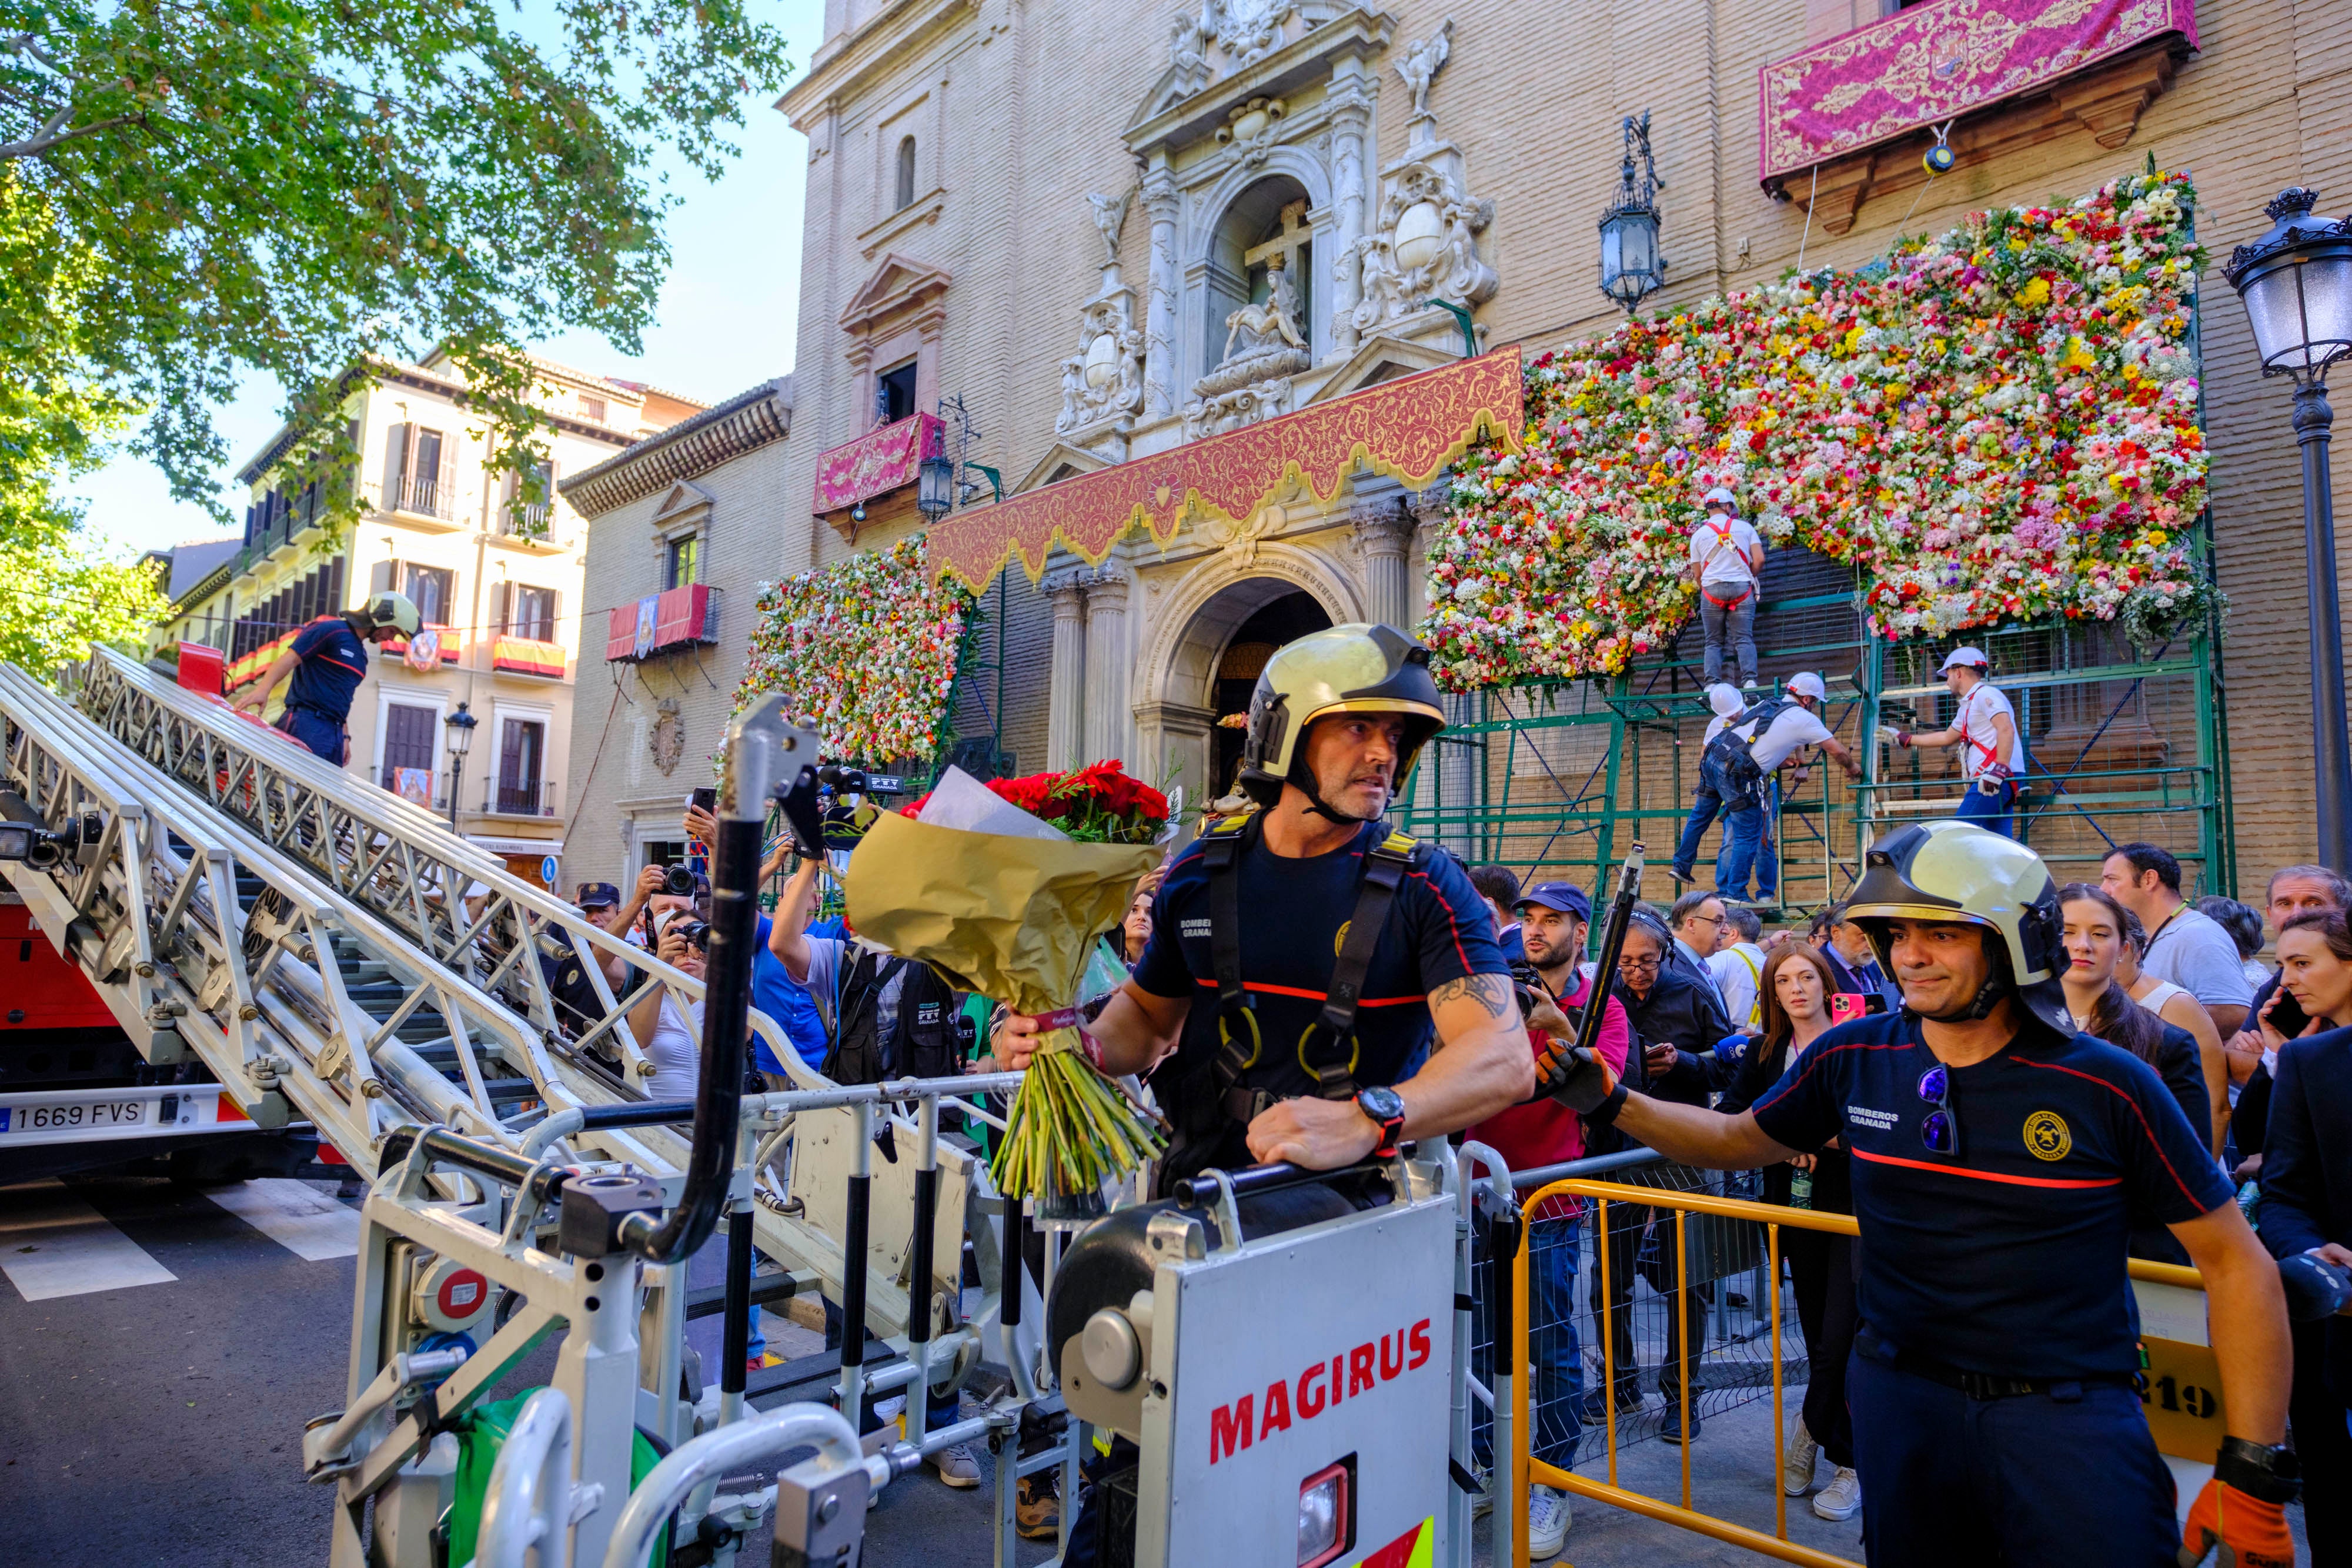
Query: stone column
point(1385, 530)
point(1159, 200)
point(1109, 718)
point(1351, 119)
point(1067, 704)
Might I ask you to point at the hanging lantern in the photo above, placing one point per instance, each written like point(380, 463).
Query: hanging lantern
point(1630, 267)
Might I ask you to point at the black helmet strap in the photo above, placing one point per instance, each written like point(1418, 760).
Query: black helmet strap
point(1998, 985)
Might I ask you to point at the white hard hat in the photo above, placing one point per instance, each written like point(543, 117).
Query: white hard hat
point(1720, 494)
point(1805, 683)
point(1725, 699)
point(1972, 657)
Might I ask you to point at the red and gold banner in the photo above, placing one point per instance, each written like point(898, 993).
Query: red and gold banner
point(1409, 428)
point(878, 461)
point(1927, 63)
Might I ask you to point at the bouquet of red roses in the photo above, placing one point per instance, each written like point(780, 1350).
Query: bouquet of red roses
point(1002, 888)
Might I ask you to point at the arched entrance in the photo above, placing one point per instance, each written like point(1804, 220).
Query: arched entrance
point(1281, 621)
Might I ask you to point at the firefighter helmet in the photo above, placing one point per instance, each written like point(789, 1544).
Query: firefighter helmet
point(1355, 668)
point(395, 611)
point(1952, 871)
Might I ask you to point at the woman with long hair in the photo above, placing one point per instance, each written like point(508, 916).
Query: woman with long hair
point(1794, 990)
point(2176, 1007)
point(2314, 955)
point(2095, 937)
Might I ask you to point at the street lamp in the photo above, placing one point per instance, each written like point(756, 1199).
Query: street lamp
point(1631, 268)
point(2297, 282)
point(459, 726)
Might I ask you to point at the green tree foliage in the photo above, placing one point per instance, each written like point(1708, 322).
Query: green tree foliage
point(56, 597)
point(300, 186)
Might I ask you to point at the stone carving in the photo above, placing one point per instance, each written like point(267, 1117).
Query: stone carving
point(1252, 30)
point(1213, 414)
point(1241, 537)
point(1421, 64)
point(1265, 328)
point(670, 736)
point(1111, 216)
point(1104, 379)
point(1253, 128)
point(1188, 51)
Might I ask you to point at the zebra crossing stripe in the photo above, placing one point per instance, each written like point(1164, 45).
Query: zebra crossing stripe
point(295, 1214)
point(52, 1244)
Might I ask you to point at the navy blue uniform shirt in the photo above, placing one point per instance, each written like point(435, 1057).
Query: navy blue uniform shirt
point(333, 663)
point(1292, 911)
point(2007, 1257)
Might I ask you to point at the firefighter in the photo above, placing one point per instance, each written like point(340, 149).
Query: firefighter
point(1984, 726)
point(322, 669)
point(2000, 1160)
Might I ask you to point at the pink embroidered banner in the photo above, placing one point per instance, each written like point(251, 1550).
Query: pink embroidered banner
point(1927, 64)
point(877, 461)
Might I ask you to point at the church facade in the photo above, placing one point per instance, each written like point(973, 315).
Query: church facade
point(1087, 235)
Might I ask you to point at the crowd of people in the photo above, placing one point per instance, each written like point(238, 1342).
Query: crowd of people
point(1849, 1063)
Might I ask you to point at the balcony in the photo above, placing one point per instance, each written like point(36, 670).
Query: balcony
point(538, 798)
point(530, 527)
point(675, 618)
point(528, 656)
point(423, 499)
point(1848, 120)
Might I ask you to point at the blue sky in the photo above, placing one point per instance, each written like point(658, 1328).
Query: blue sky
point(726, 318)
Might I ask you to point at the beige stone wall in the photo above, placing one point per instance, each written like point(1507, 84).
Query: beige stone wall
point(1018, 111)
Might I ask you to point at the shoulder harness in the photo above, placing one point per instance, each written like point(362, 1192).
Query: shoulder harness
point(1385, 866)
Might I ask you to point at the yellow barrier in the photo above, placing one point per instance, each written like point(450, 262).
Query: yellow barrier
point(2202, 1427)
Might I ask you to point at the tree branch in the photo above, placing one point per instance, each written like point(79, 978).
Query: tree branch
point(53, 134)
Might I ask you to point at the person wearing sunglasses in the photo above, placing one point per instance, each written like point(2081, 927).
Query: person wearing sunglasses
point(2001, 1157)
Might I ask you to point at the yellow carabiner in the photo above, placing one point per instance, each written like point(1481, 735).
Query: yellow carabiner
point(1257, 1040)
point(1355, 1050)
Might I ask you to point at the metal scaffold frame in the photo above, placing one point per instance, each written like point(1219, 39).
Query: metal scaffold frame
point(1555, 779)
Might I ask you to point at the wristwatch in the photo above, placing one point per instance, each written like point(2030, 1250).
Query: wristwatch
point(2266, 1473)
point(1386, 1108)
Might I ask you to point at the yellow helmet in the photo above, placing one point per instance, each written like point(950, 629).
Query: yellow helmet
point(1355, 668)
point(1956, 872)
point(396, 611)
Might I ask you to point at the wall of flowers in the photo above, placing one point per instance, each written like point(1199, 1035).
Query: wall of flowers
point(865, 652)
point(1999, 424)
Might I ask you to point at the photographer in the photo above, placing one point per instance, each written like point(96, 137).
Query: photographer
point(673, 1035)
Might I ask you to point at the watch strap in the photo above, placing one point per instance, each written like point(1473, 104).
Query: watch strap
point(2264, 1473)
point(1604, 1114)
point(1392, 1127)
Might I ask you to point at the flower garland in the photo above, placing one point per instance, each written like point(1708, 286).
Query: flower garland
point(865, 650)
point(1997, 425)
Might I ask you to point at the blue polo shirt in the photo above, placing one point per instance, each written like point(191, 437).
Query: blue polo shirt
point(2006, 1258)
point(795, 1010)
point(333, 663)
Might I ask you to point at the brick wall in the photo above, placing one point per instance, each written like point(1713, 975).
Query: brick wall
point(1025, 105)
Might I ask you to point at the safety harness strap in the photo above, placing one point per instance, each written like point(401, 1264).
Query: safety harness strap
point(1384, 871)
point(1237, 1032)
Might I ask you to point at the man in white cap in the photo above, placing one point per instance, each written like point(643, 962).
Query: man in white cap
point(1706, 804)
point(1747, 751)
point(1727, 559)
point(1984, 726)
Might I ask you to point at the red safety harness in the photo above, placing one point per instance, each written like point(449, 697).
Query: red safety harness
point(1723, 537)
point(1987, 754)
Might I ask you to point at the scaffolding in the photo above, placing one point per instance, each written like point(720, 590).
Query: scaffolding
point(1558, 779)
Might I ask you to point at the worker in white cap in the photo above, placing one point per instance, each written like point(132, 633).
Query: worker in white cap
point(1985, 728)
point(1750, 749)
point(1726, 705)
point(1727, 559)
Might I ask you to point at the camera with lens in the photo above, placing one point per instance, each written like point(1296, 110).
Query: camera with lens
point(1528, 986)
point(678, 881)
point(696, 931)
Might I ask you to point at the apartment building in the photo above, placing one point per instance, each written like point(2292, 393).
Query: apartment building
point(498, 588)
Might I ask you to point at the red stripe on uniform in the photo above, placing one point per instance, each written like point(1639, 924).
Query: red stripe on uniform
point(1981, 1175)
point(1452, 922)
point(1311, 996)
point(2133, 1104)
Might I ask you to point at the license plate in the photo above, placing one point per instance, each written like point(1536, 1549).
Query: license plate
point(87, 1115)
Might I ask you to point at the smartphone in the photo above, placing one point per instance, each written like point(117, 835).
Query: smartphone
point(706, 797)
point(1845, 1008)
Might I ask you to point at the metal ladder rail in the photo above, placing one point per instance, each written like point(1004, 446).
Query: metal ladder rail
point(371, 847)
point(345, 830)
point(158, 921)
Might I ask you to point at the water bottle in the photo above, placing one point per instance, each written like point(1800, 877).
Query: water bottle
point(1800, 1190)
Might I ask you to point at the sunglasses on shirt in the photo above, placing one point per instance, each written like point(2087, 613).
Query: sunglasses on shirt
point(1940, 1130)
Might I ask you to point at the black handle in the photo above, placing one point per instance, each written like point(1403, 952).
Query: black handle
point(1197, 1192)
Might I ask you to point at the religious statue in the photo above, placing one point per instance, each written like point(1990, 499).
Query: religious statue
point(1111, 216)
point(1252, 30)
point(1267, 326)
point(1422, 63)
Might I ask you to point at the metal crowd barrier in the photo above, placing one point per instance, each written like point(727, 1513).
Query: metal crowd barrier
point(2183, 1399)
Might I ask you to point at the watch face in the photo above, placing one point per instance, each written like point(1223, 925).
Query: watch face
point(1382, 1105)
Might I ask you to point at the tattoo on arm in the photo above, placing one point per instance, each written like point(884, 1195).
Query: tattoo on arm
point(1492, 992)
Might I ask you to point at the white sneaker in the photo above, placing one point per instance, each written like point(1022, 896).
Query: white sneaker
point(1797, 1461)
point(1548, 1515)
point(1842, 1498)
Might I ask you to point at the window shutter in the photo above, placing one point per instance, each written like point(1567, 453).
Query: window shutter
point(335, 584)
point(499, 597)
point(554, 616)
point(396, 464)
point(445, 482)
point(383, 577)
